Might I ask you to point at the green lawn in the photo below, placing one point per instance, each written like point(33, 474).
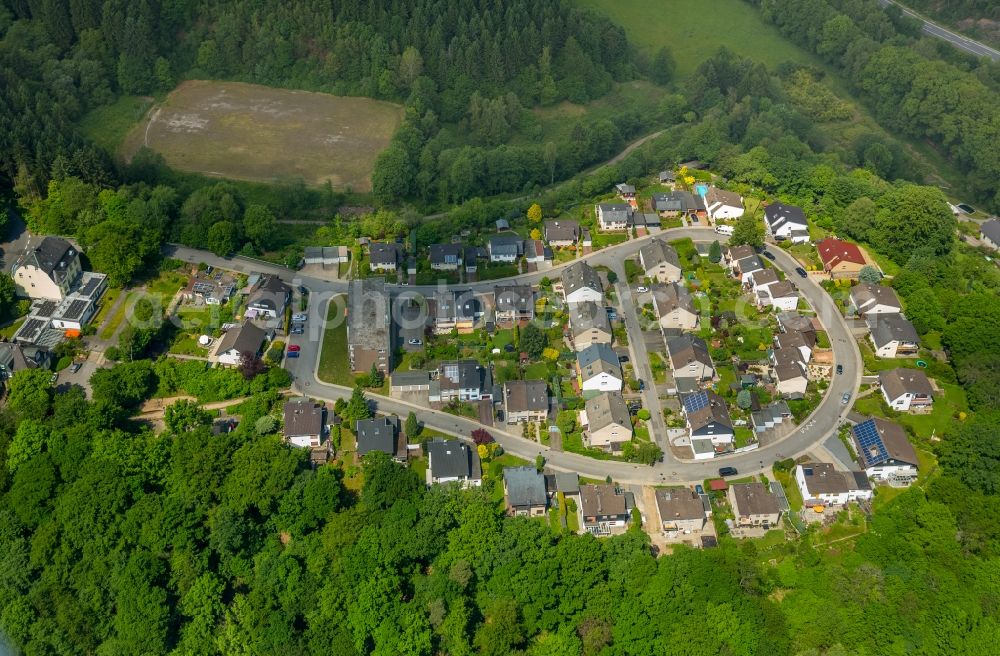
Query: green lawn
point(8, 331)
point(334, 365)
point(537, 371)
point(792, 492)
point(107, 126)
point(107, 300)
point(695, 30)
point(117, 317)
point(605, 239)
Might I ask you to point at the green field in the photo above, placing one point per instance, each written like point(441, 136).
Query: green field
point(334, 365)
point(107, 126)
point(695, 30)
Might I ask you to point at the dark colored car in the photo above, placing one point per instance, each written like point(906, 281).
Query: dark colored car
point(769, 255)
point(727, 471)
point(840, 368)
point(802, 272)
point(623, 358)
point(509, 348)
point(642, 385)
point(699, 489)
point(292, 354)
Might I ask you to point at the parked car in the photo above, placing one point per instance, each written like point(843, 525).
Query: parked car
point(699, 489)
point(623, 358)
point(297, 329)
point(769, 255)
point(802, 272)
point(642, 384)
point(300, 318)
point(292, 354)
point(845, 398)
point(612, 314)
point(292, 348)
point(414, 341)
point(727, 471)
point(75, 367)
point(642, 289)
point(840, 369)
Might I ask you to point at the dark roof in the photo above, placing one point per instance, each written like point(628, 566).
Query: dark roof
point(452, 459)
point(377, 434)
point(403, 378)
point(714, 410)
point(789, 321)
point(823, 478)
point(616, 212)
point(877, 441)
point(754, 499)
point(897, 382)
point(656, 252)
point(383, 253)
point(526, 395)
point(524, 486)
point(778, 214)
point(716, 195)
point(514, 298)
point(991, 229)
point(598, 358)
point(625, 188)
point(15, 357)
point(675, 201)
point(303, 417)
point(446, 253)
point(463, 374)
point(562, 230)
point(865, 295)
point(886, 328)
point(670, 297)
point(244, 338)
point(686, 349)
point(581, 274)
point(53, 256)
point(588, 315)
point(506, 244)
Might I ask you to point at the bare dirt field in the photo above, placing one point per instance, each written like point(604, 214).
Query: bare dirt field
point(250, 132)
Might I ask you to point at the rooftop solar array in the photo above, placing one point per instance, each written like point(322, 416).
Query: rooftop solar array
point(868, 438)
point(89, 286)
point(695, 401)
point(75, 309)
point(203, 288)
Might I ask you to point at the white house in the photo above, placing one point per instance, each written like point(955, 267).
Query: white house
point(822, 485)
point(452, 461)
point(884, 452)
point(790, 379)
point(303, 423)
point(782, 296)
point(681, 510)
point(760, 280)
point(892, 335)
point(607, 420)
point(783, 222)
point(581, 282)
point(722, 205)
point(906, 389)
point(612, 217)
point(599, 369)
point(246, 338)
point(989, 233)
point(868, 299)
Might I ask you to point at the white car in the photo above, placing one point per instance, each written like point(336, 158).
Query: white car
point(413, 341)
point(299, 318)
point(641, 289)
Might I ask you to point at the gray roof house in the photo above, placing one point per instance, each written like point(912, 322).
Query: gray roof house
point(614, 216)
point(689, 358)
point(589, 324)
point(562, 232)
point(16, 357)
point(452, 461)
point(867, 298)
point(380, 434)
point(893, 335)
point(245, 338)
point(524, 491)
point(446, 257)
point(581, 282)
point(383, 256)
point(906, 389)
point(303, 422)
point(525, 400)
point(675, 202)
point(786, 222)
point(989, 232)
point(513, 303)
point(505, 247)
point(659, 261)
point(599, 369)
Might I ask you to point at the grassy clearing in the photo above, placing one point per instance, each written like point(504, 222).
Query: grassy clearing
point(251, 132)
point(334, 365)
point(109, 298)
point(8, 331)
point(116, 319)
point(695, 30)
point(107, 126)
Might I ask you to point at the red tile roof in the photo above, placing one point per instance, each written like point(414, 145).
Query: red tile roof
point(717, 484)
point(834, 251)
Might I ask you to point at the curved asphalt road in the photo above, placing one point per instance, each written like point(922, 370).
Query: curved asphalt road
point(959, 41)
point(817, 427)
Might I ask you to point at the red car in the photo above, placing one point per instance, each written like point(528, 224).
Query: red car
point(293, 348)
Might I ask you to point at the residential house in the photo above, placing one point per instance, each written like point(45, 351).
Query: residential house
point(588, 324)
point(786, 222)
point(892, 335)
point(15, 357)
point(524, 492)
point(606, 509)
point(790, 377)
point(754, 505)
point(625, 191)
point(721, 204)
point(447, 257)
point(667, 177)
point(513, 304)
point(525, 400)
point(455, 310)
point(745, 268)
point(613, 217)
point(566, 482)
point(801, 342)
point(599, 369)
point(409, 381)
point(989, 233)
point(369, 329)
point(769, 416)
point(304, 423)
point(782, 296)
point(472, 256)
point(461, 380)
point(48, 269)
point(677, 203)
point(384, 257)
point(608, 422)
point(581, 282)
point(681, 510)
point(245, 338)
point(760, 280)
point(884, 452)
point(708, 418)
point(268, 298)
point(452, 461)
point(733, 254)
point(674, 306)
point(867, 299)
point(689, 358)
point(380, 434)
point(906, 389)
point(505, 247)
point(326, 255)
point(793, 321)
point(585, 239)
point(562, 233)
point(659, 261)
point(536, 252)
point(841, 259)
point(822, 485)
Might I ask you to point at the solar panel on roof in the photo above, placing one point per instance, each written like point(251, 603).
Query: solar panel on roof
point(203, 287)
point(89, 286)
point(868, 439)
point(695, 401)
